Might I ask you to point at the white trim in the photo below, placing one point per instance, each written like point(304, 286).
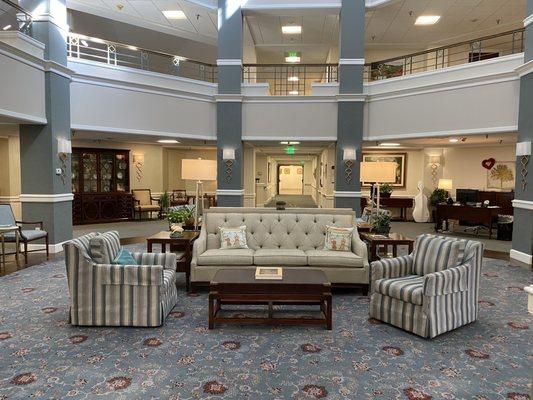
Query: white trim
point(177, 135)
point(351, 97)
point(23, 37)
point(352, 61)
point(474, 131)
point(230, 192)
point(291, 138)
point(520, 256)
point(46, 198)
point(52, 248)
point(523, 204)
point(290, 99)
point(229, 61)
point(23, 117)
point(58, 69)
point(249, 196)
point(20, 55)
point(525, 69)
point(9, 199)
point(336, 5)
point(528, 21)
point(340, 193)
point(229, 98)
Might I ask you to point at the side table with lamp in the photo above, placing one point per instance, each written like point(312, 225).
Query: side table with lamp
point(198, 170)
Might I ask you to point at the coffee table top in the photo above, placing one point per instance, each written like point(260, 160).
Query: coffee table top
point(291, 277)
point(164, 236)
point(390, 238)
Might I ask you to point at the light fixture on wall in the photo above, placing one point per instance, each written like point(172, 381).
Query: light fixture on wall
point(228, 156)
point(435, 162)
point(349, 155)
point(64, 148)
point(138, 161)
point(523, 150)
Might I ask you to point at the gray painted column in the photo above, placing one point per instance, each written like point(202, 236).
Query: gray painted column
point(230, 185)
point(45, 195)
point(350, 103)
point(523, 204)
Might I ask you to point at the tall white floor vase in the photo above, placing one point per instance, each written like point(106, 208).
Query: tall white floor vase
point(421, 210)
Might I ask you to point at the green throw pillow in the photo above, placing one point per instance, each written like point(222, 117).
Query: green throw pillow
point(124, 257)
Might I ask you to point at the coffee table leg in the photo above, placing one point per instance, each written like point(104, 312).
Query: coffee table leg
point(149, 247)
point(211, 311)
point(329, 319)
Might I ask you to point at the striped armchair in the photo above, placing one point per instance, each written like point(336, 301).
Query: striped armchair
point(105, 294)
point(431, 291)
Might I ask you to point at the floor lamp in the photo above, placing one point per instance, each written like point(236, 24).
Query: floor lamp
point(198, 170)
point(378, 173)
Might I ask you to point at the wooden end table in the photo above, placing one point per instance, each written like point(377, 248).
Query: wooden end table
point(377, 242)
point(4, 230)
point(239, 286)
point(184, 244)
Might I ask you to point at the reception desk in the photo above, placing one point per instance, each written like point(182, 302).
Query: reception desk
point(475, 215)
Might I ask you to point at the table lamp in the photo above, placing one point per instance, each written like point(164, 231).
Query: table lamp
point(446, 184)
point(378, 172)
point(198, 170)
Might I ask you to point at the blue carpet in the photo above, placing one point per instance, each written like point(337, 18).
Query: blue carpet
point(42, 356)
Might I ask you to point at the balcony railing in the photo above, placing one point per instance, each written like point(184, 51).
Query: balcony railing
point(479, 49)
point(117, 54)
point(290, 80)
point(14, 18)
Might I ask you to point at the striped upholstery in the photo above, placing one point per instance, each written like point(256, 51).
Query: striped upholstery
point(116, 295)
point(434, 254)
point(105, 247)
point(432, 303)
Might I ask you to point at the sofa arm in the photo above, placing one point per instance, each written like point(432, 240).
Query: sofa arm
point(200, 245)
point(359, 248)
point(451, 280)
point(133, 275)
point(167, 260)
point(392, 267)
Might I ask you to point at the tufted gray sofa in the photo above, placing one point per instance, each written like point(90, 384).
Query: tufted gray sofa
point(292, 238)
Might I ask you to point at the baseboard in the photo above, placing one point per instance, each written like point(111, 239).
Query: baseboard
point(52, 248)
point(522, 257)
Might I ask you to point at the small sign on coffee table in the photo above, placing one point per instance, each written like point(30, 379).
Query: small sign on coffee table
point(268, 273)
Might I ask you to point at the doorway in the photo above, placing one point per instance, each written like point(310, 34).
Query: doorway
point(290, 179)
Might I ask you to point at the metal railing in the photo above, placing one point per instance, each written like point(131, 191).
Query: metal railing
point(14, 18)
point(288, 79)
point(484, 48)
point(117, 54)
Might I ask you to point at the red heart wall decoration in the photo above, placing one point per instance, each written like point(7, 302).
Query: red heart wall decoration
point(488, 163)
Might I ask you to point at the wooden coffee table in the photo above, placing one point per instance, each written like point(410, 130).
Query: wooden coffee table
point(377, 242)
point(239, 286)
point(181, 245)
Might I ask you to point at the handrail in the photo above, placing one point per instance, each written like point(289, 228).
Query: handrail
point(19, 15)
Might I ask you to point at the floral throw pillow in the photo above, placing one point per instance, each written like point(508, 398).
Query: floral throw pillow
point(338, 239)
point(233, 238)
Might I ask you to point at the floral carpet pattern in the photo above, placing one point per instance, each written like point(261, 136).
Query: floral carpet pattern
point(42, 356)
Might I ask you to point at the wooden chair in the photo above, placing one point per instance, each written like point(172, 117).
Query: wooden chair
point(179, 198)
point(143, 201)
point(26, 235)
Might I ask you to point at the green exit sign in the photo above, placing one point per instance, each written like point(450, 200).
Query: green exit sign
point(290, 150)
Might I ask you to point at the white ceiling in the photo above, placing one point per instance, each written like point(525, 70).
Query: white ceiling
point(388, 26)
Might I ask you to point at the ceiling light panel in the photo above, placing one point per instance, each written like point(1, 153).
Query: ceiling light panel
point(174, 14)
point(291, 29)
point(425, 20)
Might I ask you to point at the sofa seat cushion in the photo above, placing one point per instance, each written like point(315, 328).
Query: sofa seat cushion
point(280, 257)
point(334, 259)
point(408, 288)
point(216, 257)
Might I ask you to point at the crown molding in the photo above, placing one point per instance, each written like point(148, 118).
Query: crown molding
point(528, 21)
point(230, 192)
point(525, 69)
point(523, 204)
point(229, 61)
point(352, 61)
point(46, 198)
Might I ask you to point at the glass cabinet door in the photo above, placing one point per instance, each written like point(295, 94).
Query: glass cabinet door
point(90, 173)
point(75, 173)
point(106, 172)
point(121, 172)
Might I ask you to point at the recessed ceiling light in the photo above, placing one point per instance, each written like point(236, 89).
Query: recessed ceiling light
point(174, 14)
point(293, 93)
point(389, 144)
point(293, 143)
point(283, 142)
point(454, 140)
point(168, 141)
point(427, 20)
point(5, 28)
point(291, 29)
point(293, 79)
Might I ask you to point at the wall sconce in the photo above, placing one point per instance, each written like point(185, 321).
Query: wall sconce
point(138, 161)
point(523, 150)
point(228, 155)
point(64, 148)
point(434, 161)
point(348, 156)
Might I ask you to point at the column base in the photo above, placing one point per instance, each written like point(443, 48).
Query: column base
point(521, 257)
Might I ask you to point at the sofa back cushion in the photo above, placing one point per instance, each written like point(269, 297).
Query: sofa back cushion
point(105, 247)
point(433, 254)
point(302, 229)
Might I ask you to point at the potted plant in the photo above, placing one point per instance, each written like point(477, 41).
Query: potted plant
point(164, 201)
point(380, 223)
point(183, 216)
point(437, 196)
point(385, 190)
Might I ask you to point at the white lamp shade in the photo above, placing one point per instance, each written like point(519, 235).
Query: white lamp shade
point(64, 146)
point(349, 154)
point(199, 170)
point(445, 184)
point(523, 149)
point(378, 172)
point(228, 154)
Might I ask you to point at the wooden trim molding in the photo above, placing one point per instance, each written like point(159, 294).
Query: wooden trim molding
point(46, 198)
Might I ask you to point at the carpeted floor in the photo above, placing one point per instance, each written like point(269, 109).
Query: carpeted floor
point(42, 356)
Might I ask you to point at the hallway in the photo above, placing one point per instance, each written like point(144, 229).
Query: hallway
point(293, 201)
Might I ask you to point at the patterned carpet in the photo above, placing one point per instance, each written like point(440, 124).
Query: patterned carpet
point(42, 356)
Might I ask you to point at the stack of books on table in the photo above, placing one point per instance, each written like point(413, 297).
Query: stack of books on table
point(268, 273)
